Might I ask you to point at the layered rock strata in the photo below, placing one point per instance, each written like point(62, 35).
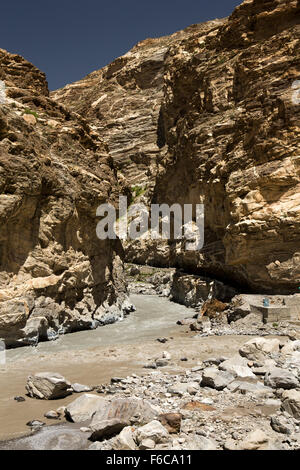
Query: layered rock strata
point(210, 115)
point(56, 276)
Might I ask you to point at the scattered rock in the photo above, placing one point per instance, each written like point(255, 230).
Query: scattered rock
point(151, 365)
point(35, 424)
point(238, 367)
point(19, 399)
point(291, 402)
point(161, 362)
point(185, 322)
point(147, 444)
point(84, 407)
point(166, 355)
point(112, 417)
point(52, 415)
point(48, 386)
point(258, 349)
point(154, 431)
point(78, 388)
point(125, 441)
point(114, 380)
point(291, 347)
point(182, 388)
point(85, 429)
point(197, 406)
point(281, 424)
point(217, 379)
point(202, 325)
point(256, 440)
point(214, 361)
point(248, 387)
point(171, 421)
point(200, 443)
point(30, 119)
point(281, 378)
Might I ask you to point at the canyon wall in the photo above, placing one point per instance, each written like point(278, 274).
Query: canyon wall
point(208, 115)
point(56, 276)
point(123, 101)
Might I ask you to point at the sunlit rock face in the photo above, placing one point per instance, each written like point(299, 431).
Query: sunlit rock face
point(123, 104)
point(233, 144)
point(211, 115)
point(56, 276)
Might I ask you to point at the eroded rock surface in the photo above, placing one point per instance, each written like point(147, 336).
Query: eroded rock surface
point(207, 116)
point(56, 276)
point(48, 386)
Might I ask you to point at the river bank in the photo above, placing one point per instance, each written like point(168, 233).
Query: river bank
point(93, 357)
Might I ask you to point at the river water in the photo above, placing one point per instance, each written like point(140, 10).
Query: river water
point(92, 358)
point(154, 317)
point(89, 357)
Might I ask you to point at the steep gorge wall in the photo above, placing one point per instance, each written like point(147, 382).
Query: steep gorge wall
point(232, 131)
point(56, 276)
point(123, 102)
point(211, 120)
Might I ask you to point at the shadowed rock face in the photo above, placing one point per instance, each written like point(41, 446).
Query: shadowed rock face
point(55, 275)
point(207, 116)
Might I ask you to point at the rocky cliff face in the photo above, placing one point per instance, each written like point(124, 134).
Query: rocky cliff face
point(233, 144)
point(207, 116)
point(55, 275)
point(123, 103)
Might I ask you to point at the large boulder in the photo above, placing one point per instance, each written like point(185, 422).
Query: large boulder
point(248, 387)
point(256, 440)
point(281, 378)
point(48, 386)
point(154, 431)
point(258, 349)
point(125, 441)
point(113, 416)
point(282, 424)
point(238, 367)
point(214, 378)
point(291, 347)
point(84, 407)
point(291, 402)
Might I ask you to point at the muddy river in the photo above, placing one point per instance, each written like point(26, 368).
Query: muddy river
point(93, 357)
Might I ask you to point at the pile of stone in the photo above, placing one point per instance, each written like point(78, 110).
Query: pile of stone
point(147, 280)
point(250, 401)
point(52, 386)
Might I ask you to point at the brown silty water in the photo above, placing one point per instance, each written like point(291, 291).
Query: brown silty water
point(93, 357)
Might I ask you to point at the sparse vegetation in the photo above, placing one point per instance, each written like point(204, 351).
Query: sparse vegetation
point(137, 191)
point(28, 111)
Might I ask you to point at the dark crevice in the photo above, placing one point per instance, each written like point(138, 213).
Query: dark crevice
point(161, 136)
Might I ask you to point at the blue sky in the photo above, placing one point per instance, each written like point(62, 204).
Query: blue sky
point(69, 39)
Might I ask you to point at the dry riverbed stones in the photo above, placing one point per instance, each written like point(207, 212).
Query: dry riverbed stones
point(237, 403)
point(48, 386)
